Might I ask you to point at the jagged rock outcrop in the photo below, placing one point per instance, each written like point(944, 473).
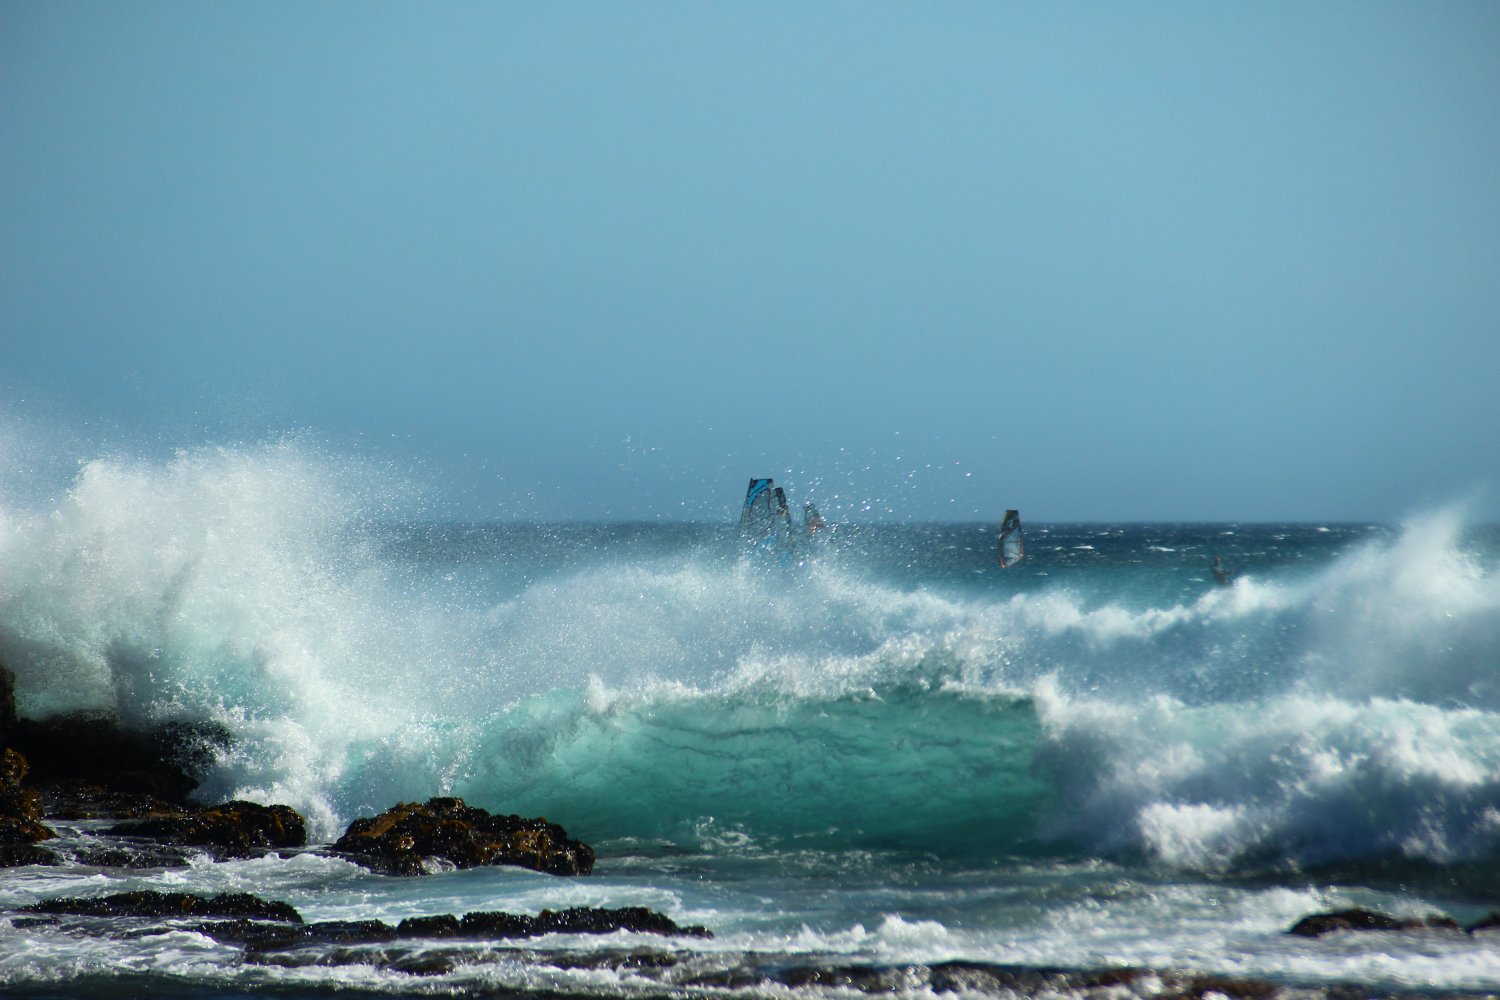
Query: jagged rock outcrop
point(77, 752)
point(274, 933)
point(413, 838)
point(484, 926)
point(21, 826)
point(89, 765)
point(233, 829)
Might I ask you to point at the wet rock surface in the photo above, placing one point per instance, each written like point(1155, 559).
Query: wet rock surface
point(233, 829)
point(413, 838)
point(76, 753)
point(148, 903)
point(20, 808)
point(274, 933)
point(91, 766)
point(1318, 924)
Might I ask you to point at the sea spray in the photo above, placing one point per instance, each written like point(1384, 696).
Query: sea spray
point(650, 682)
point(224, 585)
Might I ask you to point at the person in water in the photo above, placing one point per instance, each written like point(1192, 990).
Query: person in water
point(1222, 574)
point(812, 518)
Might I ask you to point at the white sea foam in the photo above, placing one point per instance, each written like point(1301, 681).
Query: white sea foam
point(1294, 776)
point(1381, 737)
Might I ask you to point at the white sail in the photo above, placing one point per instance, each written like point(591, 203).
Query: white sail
point(1012, 540)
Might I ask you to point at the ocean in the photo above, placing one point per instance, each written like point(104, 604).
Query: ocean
point(876, 755)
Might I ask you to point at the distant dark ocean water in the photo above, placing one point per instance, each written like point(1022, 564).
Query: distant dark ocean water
point(877, 751)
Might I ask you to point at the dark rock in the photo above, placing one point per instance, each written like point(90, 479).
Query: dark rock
point(308, 958)
point(981, 978)
point(20, 809)
point(1488, 923)
point(497, 925)
point(574, 920)
point(1319, 924)
point(1196, 987)
point(257, 934)
point(24, 923)
point(402, 839)
point(149, 903)
point(986, 979)
point(424, 963)
point(235, 829)
point(18, 855)
point(445, 925)
point(77, 799)
point(13, 768)
point(7, 703)
point(130, 856)
point(350, 932)
point(605, 959)
point(1437, 923)
point(96, 748)
point(737, 980)
point(864, 978)
point(261, 937)
point(593, 920)
point(969, 978)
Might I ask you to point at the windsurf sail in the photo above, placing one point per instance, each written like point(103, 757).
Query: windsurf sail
point(1223, 575)
point(758, 498)
point(765, 512)
point(1012, 540)
point(811, 519)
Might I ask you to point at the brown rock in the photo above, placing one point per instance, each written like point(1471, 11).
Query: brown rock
point(20, 813)
point(234, 829)
point(401, 839)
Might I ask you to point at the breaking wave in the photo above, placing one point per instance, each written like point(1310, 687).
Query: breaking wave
point(635, 683)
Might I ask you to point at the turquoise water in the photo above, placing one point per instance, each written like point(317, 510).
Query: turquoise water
point(882, 750)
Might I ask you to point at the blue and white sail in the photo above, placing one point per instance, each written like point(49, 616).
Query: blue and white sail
point(765, 518)
point(1012, 540)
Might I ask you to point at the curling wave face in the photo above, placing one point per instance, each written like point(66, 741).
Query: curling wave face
point(1338, 701)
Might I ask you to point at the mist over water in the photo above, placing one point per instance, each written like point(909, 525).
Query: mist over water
point(892, 689)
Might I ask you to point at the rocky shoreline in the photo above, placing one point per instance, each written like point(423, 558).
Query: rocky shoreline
point(139, 782)
point(91, 766)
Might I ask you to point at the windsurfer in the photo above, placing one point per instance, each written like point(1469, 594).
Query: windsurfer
point(1223, 575)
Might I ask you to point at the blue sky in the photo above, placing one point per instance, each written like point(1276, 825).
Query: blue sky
point(1162, 261)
